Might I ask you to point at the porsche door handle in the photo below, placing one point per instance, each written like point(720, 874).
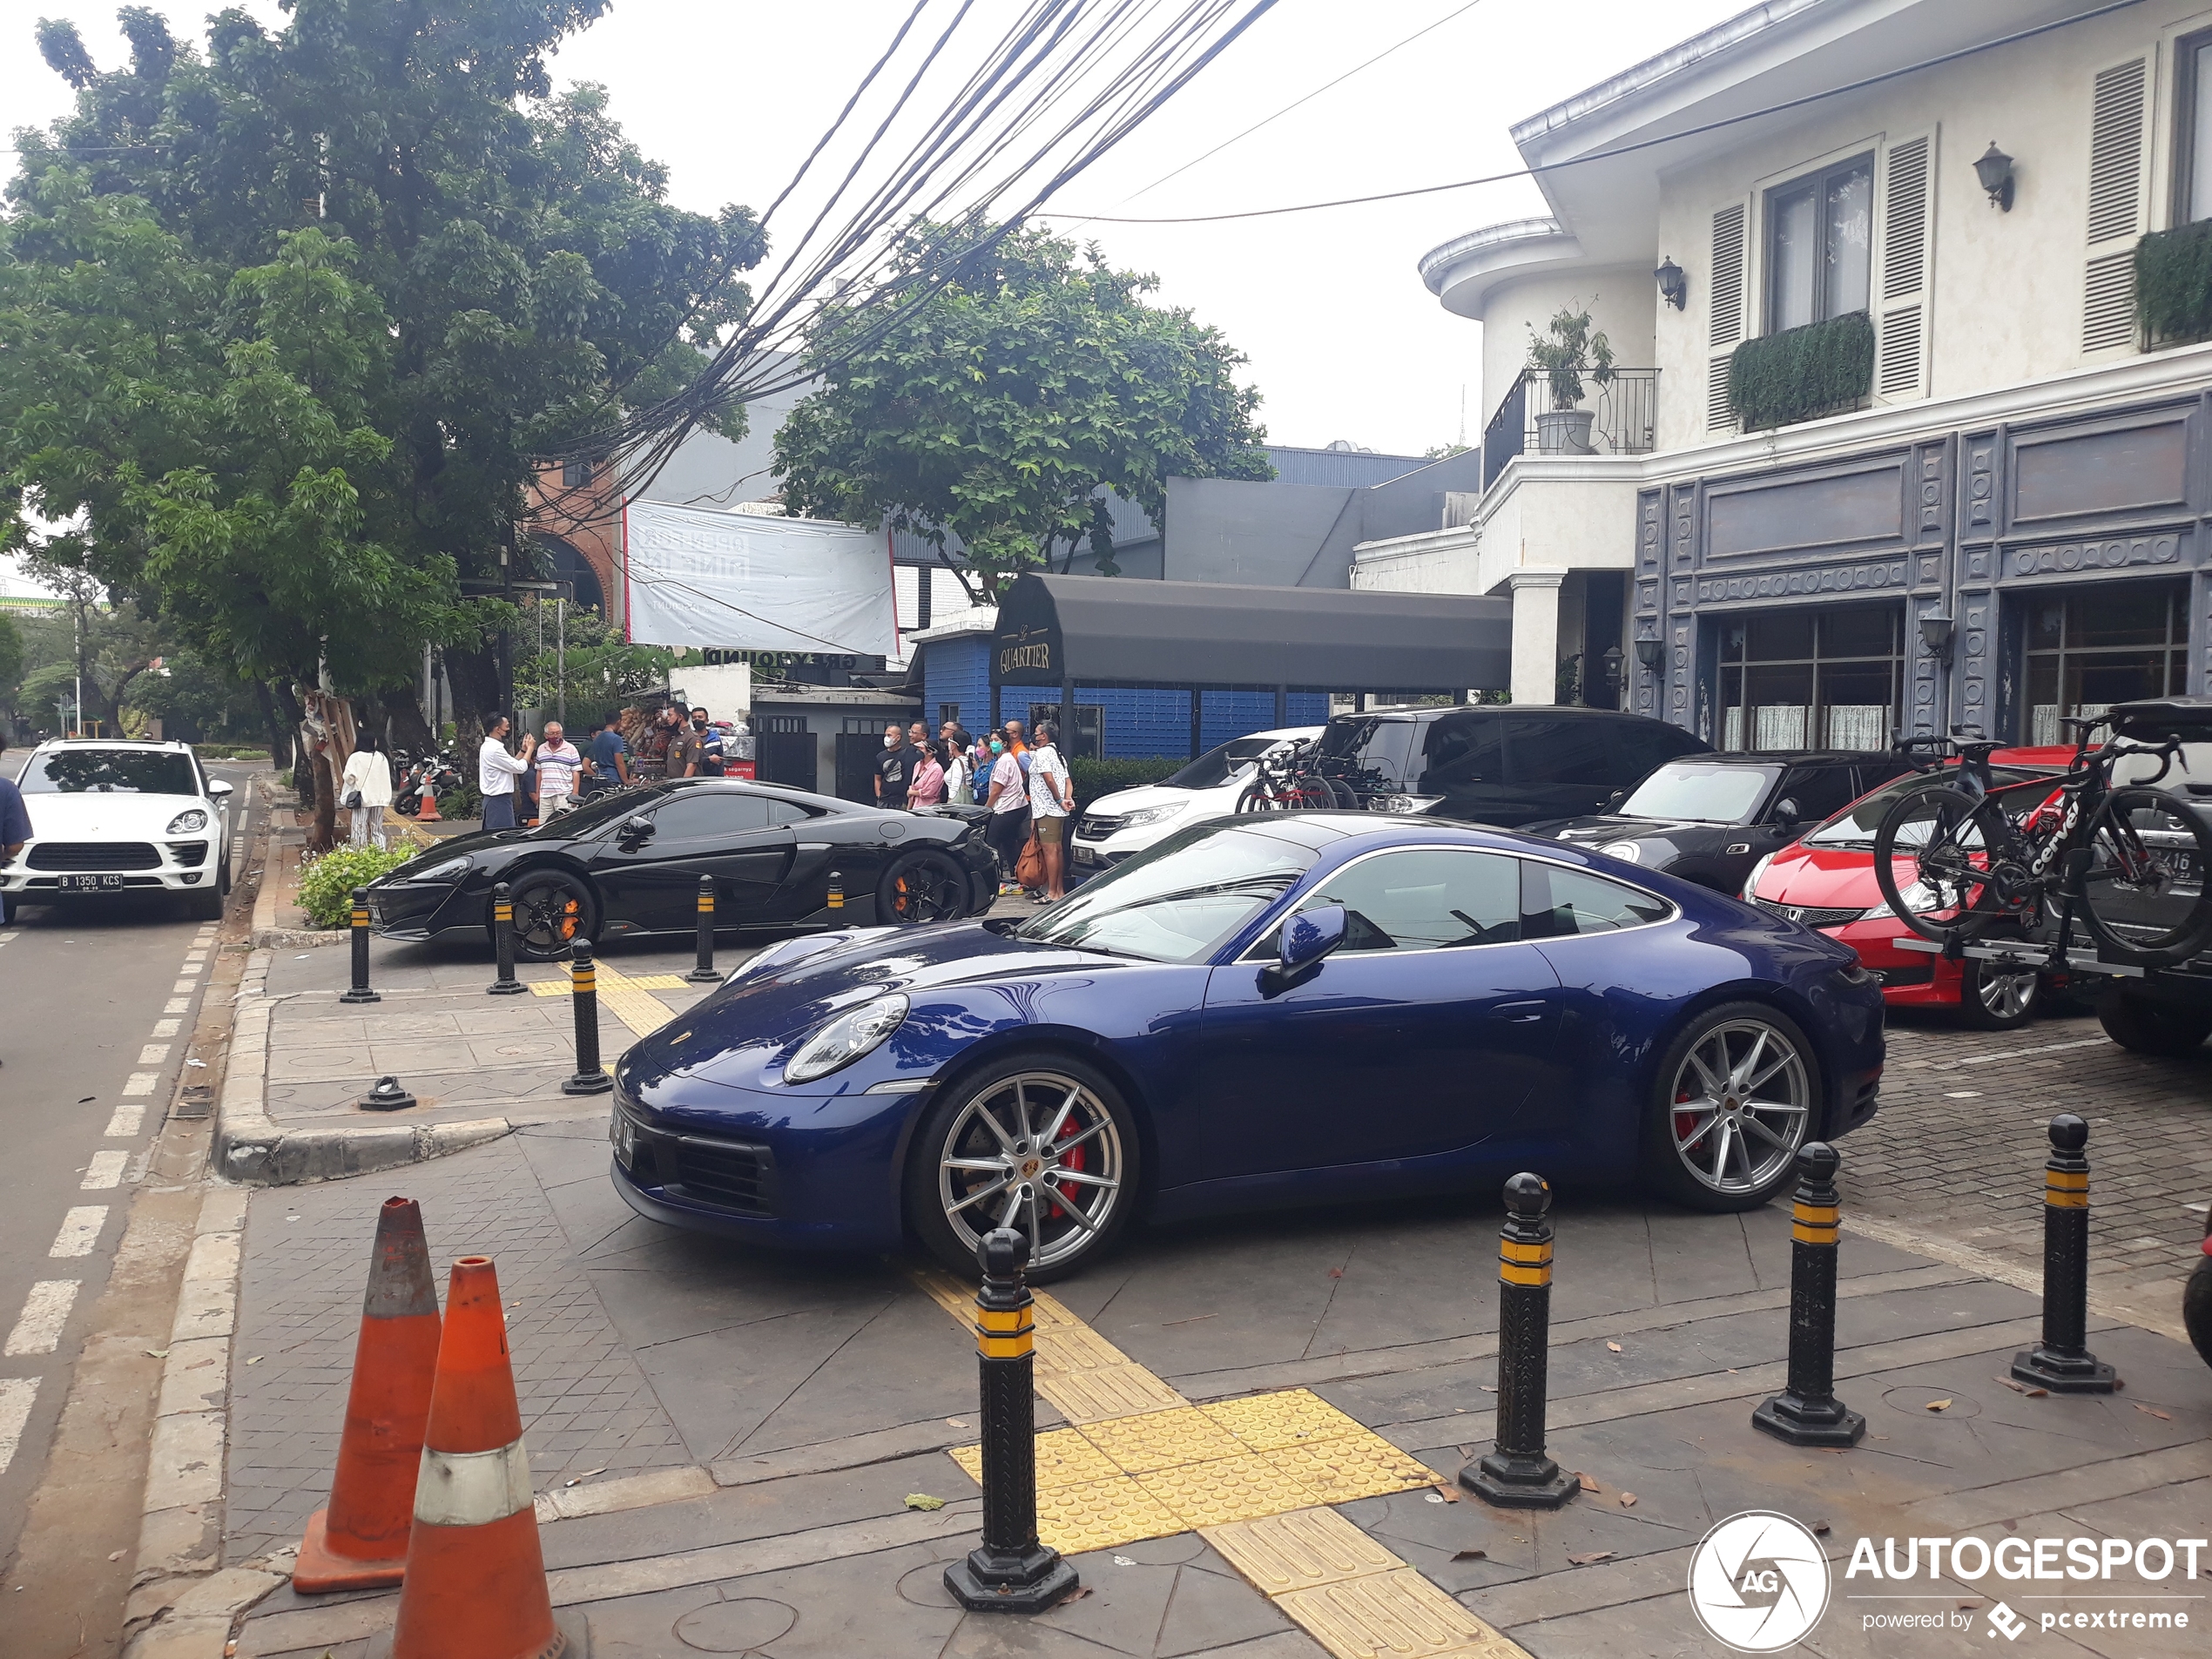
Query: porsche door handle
point(1521, 1013)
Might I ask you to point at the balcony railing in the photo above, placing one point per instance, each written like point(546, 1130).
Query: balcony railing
point(1623, 413)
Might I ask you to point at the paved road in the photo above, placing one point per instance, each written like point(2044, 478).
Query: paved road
point(96, 1010)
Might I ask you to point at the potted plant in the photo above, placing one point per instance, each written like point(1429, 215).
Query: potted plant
point(1569, 351)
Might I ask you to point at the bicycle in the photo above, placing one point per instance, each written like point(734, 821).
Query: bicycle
point(1283, 781)
point(1986, 856)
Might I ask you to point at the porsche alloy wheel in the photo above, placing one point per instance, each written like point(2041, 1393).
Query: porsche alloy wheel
point(1041, 1145)
point(1740, 1097)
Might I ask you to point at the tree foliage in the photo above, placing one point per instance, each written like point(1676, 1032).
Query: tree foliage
point(1000, 409)
point(284, 322)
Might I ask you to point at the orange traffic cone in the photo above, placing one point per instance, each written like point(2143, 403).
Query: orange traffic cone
point(475, 1577)
point(360, 1541)
point(428, 813)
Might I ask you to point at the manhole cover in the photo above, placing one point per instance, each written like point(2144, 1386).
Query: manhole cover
point(735, 1626)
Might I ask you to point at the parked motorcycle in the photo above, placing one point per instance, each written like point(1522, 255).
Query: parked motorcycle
point(432, 777)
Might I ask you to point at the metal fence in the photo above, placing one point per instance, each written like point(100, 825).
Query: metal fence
point(1623, 416)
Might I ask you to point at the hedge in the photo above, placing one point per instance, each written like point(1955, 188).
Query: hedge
point(1095, 778)
point(2173, 284)
point(326, 883)
point(1802, 373)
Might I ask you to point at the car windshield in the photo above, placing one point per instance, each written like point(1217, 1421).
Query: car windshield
point(110, 771)
point(1180, 899)
point(1218, 766)
point(1706, 791)
point(596, 813)
point(1856, 824)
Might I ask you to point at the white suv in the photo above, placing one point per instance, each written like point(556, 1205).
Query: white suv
point(110, 816)
point(1128, 821)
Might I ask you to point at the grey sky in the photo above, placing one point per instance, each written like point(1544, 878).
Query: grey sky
point(1345, 342)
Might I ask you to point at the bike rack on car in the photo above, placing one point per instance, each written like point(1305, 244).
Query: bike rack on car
point(2021, 953)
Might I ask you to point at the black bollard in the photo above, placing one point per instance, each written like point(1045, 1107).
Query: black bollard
point(584, 987)
point(503, 934)
point(704, 973)
point(1011, 1571)
point(2062, 1363)
point(1514, 1473)
point(1806, 1412)
point(358, 991)
point(836, 891)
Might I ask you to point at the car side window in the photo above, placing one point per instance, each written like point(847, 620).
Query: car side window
point(1463, 749)
point(1820, 791)
point(700, 813)
point(1639, 746)
point(784, 811)
point(1424, 899)
point(1559, 903)
point(1558, 749)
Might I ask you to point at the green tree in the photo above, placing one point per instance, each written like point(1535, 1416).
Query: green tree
point(1001, 407)
point(285, 323)
point(11, 668)
point(600, 669)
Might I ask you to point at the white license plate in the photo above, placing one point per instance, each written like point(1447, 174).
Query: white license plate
point(89, 883)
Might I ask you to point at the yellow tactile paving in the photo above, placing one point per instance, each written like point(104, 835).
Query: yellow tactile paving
point(1244, 1487)
point(1295, 1417)
point(631, 1000)
point(1393, 1615)
point(1301, 1550)
point(1366, 1466)
point(1163, 1439)
point(1109, 1393)
point(1065, 1459)
point(1101, 1513)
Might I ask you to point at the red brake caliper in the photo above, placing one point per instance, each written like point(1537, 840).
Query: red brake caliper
point(1684, 1122)
point(1077, 1160)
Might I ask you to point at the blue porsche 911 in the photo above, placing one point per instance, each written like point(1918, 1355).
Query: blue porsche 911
point(1265, 1010)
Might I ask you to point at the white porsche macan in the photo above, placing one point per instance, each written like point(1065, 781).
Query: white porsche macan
point(110, 816)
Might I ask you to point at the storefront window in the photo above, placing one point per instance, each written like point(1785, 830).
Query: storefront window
point(2098, 646)
point(1800, 679)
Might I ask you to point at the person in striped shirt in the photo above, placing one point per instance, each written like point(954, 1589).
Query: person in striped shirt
point(558, 761)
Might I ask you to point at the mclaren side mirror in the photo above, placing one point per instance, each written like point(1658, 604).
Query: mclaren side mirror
point(1305, 938)
point(638, 827)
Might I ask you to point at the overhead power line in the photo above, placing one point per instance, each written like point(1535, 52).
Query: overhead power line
point(1617, 150)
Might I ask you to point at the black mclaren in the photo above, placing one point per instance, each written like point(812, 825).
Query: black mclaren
point(629, 861)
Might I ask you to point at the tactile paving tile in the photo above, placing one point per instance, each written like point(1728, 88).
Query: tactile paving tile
point(1110, 1392)
point(1065, 1459)
point(1163, 1439)
point(1300, 1550)
point(1098, 1515)
point(1394, 1616)
point(1233, 1488)
point(1295, 1417)
point(1365, 1466)
point(659, 982)
point(948, 1292)
point(1072, 1347)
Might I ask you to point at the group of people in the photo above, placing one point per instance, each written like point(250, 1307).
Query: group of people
point(563, 774)
point(1026, 786)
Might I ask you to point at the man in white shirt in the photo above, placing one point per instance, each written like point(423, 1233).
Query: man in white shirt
point(496, 771)
point(365, 787)
point(558, 762)
point(1050, 795)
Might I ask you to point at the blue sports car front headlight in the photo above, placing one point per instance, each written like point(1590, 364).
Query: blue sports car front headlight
point(852, 1033)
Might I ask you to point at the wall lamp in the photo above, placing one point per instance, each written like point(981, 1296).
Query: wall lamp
point(1674, 283)
point(1994, 169)
point(1936, 633)
point(1651, 653)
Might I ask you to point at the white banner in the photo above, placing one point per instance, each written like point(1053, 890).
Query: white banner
point(746, 582)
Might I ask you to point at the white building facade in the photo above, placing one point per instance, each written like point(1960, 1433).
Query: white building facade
point(1891, 444)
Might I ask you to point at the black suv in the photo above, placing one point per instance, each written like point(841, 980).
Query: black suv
point(1709, 819)
point(2165, 1010)
point(1495, 764)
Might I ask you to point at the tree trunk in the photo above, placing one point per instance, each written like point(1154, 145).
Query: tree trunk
point(327, 730)
point(279, 738)
point(474, 674)
point(402, 715)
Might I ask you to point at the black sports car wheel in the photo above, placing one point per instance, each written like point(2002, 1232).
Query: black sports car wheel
point(552, 910)
point(1041, 1142)
point(1737, 1092)
point(921, 886)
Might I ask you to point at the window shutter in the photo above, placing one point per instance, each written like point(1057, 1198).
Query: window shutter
point(2117, 155)
point(1727, 286)
point(1908, 254)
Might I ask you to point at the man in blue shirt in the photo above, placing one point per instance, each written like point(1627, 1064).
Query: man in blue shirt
point(15, 825)
point(610, 756)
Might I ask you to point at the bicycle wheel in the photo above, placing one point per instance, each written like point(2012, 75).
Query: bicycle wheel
point(1257, 798)
point(2143, 893)
point(1940, 837)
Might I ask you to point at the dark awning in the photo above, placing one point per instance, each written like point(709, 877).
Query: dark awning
point(1100, 630)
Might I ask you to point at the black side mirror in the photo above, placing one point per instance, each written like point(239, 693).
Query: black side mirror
point(1786, 811)
point(1305, 938)
point(638, 827)
point(1616, 798)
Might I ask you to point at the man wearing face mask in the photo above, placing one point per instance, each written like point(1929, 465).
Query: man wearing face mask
point(1009, 800)
point(894, 768)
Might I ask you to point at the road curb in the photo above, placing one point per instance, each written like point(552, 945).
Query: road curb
point(252, 1149)
point(266, 935)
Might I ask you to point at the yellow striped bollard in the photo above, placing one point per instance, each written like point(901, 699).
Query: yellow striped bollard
point(358, 991)
point(703, 973)
point(1514, 1473)
point(1011, 1571)
point(2062, 1363)
point(583, 986)
point(1806, 1412)
point(502, 937)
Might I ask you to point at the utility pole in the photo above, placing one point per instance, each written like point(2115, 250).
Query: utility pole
point(561, 656)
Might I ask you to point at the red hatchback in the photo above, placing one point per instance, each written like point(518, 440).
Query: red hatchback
point(1825, 879)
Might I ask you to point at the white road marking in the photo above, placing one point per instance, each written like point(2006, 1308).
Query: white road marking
point(2019, 1053)
point(126, 1120)
point(44, 1311)
point(16, 1395)
point(141, 1082)
point(177, 1005)
point(189, 968)
point(165, 1028)
point(80, 1231)
point(105, 1170)
point(184, 988)
point(153, 1054)
point(195, 956)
